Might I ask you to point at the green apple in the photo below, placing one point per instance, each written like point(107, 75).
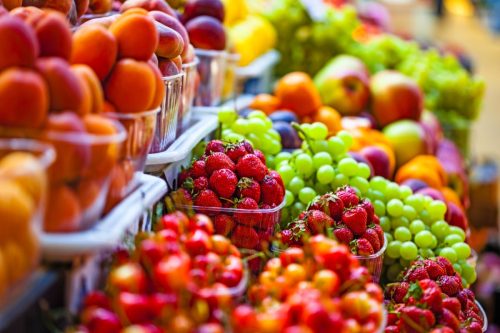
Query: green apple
point(407, 138)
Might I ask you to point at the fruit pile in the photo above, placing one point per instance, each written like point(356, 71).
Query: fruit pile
point(342, 214)
point(318, 288)
point(430, 298)
point(181, 278)
point(232, 183)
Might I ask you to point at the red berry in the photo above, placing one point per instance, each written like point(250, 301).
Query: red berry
point(416, 273)
point(450, 285)
point(448, 319)
point(275, 175)
point(433, 269)
point(252, 218)
point(223, 224)
point(236, 151)
point(446, 264)
point(223, 182)
point(271, 191)
point(198, 169)
point(348, 196)
point(218, 161)
point(372, 236)
point(318, 221)
point(200, 184)
point(343, 234)
point(245, 237)
point(356, 220)
point(251, 166)
point(214, 146)
point(249, 188)
point(368, 207)
point(362, 247)
point(207, 198)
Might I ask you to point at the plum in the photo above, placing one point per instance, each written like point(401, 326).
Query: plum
point(415, 184)
point(284, 115)
point(289, 137)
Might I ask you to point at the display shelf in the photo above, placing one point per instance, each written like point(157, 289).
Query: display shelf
point(109, 231)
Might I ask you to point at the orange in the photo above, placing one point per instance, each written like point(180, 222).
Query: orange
point(297, 93)
point(330, 117)
point(266, 103)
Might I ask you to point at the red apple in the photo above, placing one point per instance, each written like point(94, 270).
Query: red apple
point(379, 161)
point(343, 84)
point(395, 97)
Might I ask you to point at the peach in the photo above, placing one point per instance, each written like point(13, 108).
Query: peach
point(131, 86)
point(63, 6)
point(53, 33)
point(87, 103)
point(136, 35)
point(159, 88)
point(28, 240)
point(178, 62)
point(100, 6)
point(88, 192)
point(170, 44)
point(189, 55)
point(104, 22)
point(66, 90)
point(92, 82)
point(24, 13)
point(195, 8)
point(16, 208)
point(95, 47)
point(154, 59)
point(173, 23)
point(11, 4)
point(168, 67)
point(81, 7)
point(149, 5)
point(63, 213)
point(17, 110)
point(205, 32)
point(18, 43)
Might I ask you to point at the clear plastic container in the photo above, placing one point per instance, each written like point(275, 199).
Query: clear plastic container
point(251, 228)
point(229, 90)
point(483, 315)
point(212, 70)
point(166, 120)
point(374, 262)
point(140, 129)
point(190, 87)
point(79, 177)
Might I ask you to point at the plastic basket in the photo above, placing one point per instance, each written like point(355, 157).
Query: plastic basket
point(257, 77)
point(374, 262)
point(483, 315)
point(230, 90)
point(212, 70)
point(190, 85)
point(166, 120)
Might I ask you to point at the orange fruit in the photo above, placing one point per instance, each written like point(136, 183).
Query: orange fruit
point(266, 103)
point(330, 117)
point(297, 93)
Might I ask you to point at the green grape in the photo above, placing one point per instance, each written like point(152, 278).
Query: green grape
point(254, 139)
point(393, 271)
point(306, 195)
point(270, 163)
point(285, 214)
point(423, 239)
point(304, 164)
point(297, 208)
point(363, 170)
point(427, 200)
point(295, 185)
point(457, 268)
point(340, 180)
point(287, 173)
point(258, 115)
point(395, 207)
point(405, 191)
point(269, 124)
point(283, 156)
point(462, 250)
point(257, 125)
point(348, 166)
point(379, 207)
point(468, 272)
point(452, 239)
point(359, 183)
point(425, 217)
point(325, 174)
point(391, 191)
point(227, 115)
point(339, 158)
point(318, 131)
point(226, 132)
point(440, 229)
point(402, 234)
point(274, 147)
point(437, 209)
point(426, 253)
point(409, 212)
point(385, 223)
point(322, 188)
point(274, 134)
point(289, 197)
point(417, 226)
point(389, 261)
point(388, 237)
point(434, 242)
point(320, 146)
point(408, 250)
point(416, 201)
point(320, 159)
point(377, 195)
point(448, 253)
point(400, 222)
point(240, 126)
point(336, 146)
point(393, 249)
point(457, 231)
point(378, 183)
point(233, 137)
point(346, 137)
point(265, 143)
point(404, 262)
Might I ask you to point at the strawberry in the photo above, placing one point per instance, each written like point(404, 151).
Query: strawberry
point(248, 218)
point(372, 236)
point(375, 220)
point(380, 233)
point(214, 146)
point(446, 264)
point(286, 236)
point(348, 196)
point(392, 329)
point(442, 330)
point(473, 327)
point(223, 182)
point(260, 155)
point(271, 191)
point(248, 188)
point(469, 313)
point(251, 166)
point(448, 319)
point(431, 295)
point(218, 161)
point(361, 247)
point(183, 196)
point(355, 219)
point(245, 237)
point(450, 285)
point(198, 169)
point(318, 221)
point(275, 175)
point(235, 151)
point(200, 184)
point(397, 291)
point(368, 207)
point(330, 204)
point(207, 198)
point(343, 234)
point(223, 224)
point(433, 269)
point(412, 317)
point(268, 219)
point(248, 146)
point(452, 304)
point(416, 273)
point(183, 175)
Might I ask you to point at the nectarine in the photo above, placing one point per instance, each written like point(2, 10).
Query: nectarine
point(95, 88)
point(53, 33)
point(100, 6)
point(170, 44)
point(18, 43)
point(173, 23)
point(205, 32)
point(149, 5)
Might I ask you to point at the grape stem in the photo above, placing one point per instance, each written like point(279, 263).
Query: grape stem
point(304, 136)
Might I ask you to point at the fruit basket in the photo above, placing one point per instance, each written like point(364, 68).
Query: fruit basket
point(374, 262)
point(167, 119)
point(212, 70)
point(257, 77)
point(190, 85)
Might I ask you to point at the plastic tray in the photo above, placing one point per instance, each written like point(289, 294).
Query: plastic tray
point(374, 262)
point(110, 230)
point(202, 124)
point(257, 77)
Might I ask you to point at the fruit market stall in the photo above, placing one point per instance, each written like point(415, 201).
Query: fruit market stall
point(233, 166)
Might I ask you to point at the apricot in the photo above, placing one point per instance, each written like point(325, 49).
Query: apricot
point(173, 23)
point(11, 4)
point(18, 43)
point(189, 55)
point(136, 35)
point(53, 33)
point(117, 187)
point(16, 208)
point(95, 47)
point(26, 171)
point(131, 86)
point(148, 5)
point(206, 32)
point(25, 13)
point(81, 7)
point(4, 279)
point(16, 261)
point(88, 192)
point(66, 90)
point(100, 6)
point(168, 67)
point(92, 82)
point(159, 88)
point(63, 213)
point(63, 6)
point(17, 110)
point(30, 244)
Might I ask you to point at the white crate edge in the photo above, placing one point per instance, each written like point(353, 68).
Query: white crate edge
point(108, 232)
point(259, 66)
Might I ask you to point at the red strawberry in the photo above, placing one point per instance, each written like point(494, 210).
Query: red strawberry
point(248, 218)
point(380, 233)
point(368, 207)
point(200, 184)
point(223, 182)
point(260, 155)
point(442, 330)
point(348, 196)
point(372, 236)
point(235, 151)
point(397, 291)
point(412, 316)
point(318, 221)
point(343, 234)
point(355, 218)
point(446, 264)
point(330, 204)
point(275, 175)
point(207, 198)
point(247, 146)
point(183, 175)
point(392, 329)
point(223, 224)
point(218, 161)
point(472, 305)
point(473, 327)
point(452, 304)
point(361, 247)
point(433, 269)
point(271, 191)
point(416, 273)
point(214, 146)
point(251, 166)
point(245, 237)
point(286, 236)
point(431, 295)
point(268, 219)
point(450, 285)
point(448, 319)
point(469, 313)
point(248, 188)
point(198, 169)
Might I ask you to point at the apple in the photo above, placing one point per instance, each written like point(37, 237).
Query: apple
point(395, 97)
point(379, 160)
point(407, 139)
point(344, 85)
